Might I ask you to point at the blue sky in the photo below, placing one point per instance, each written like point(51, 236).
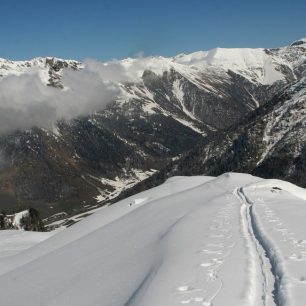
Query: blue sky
point(116, 29)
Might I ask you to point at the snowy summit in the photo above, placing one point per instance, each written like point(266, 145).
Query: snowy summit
point(231, 240)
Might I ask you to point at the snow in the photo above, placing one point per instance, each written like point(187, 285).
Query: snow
point(257, 65)
point(14, 220)
point(13, 242)
point(300, 43)
point(188, 124)
point(133, 68)
point(18, 217)
point(251, 63)
point(119, 184)
point(278, 216)
point(35, 65)
point(284, 118)
point(231, 240)
point(179, 93)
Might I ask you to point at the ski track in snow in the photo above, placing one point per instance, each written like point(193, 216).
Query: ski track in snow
point(221, 241)
point(259, 292)
point(272, 261)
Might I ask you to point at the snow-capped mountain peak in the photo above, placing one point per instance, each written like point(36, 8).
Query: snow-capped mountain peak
point(49, 69)
point(264, 66)
point(254, 64)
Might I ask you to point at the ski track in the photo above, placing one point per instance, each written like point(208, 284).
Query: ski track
point(264, 274)
point(269, 255)
point(261, 267)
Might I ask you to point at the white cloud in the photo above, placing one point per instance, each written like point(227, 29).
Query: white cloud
point(25, 101)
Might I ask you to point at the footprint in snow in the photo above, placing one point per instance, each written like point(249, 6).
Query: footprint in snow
point(195, 299)
point(206, 264)
point(296, 257)
point(217, 245)
point(217, 260)
point(214, 263)
point(273, 220)
point(299, 243)
point(184, 288)
point(217, 236)
point(187, 289)
point(212, 252)
point(198, 299)
point(225, 230)
point(221, 236)
point(211, 275)
point(283, 231)
point(268, 211)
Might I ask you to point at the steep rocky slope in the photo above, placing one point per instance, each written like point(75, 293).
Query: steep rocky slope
point(270, 142)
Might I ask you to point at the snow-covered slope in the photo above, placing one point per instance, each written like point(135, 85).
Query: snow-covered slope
point(231, 240)
point(264, 66)
point(15, 241)
point(254, 64)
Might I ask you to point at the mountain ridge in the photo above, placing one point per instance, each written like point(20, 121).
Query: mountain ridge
point(164, 108)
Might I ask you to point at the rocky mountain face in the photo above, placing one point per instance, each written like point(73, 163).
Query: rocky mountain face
point(27, 220)
point(212, 104)
point(270, 142)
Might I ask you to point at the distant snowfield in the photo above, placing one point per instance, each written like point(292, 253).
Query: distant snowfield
point(231, 240)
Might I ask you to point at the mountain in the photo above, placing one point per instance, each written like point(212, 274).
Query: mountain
point(166, 107)
point(270, 142)
point(49, 69)
point(180, 243)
